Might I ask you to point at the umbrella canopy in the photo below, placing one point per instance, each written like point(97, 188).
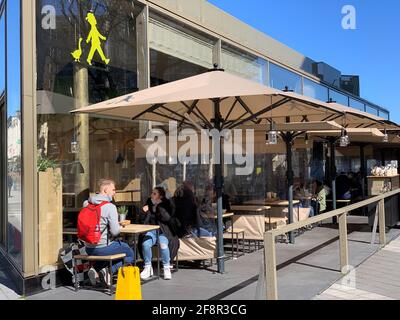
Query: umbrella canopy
point(241, 101)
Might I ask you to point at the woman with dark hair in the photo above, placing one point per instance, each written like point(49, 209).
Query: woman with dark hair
point(158, 211)
point(187, 209)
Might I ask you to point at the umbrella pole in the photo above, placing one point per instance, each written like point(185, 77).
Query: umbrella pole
point(218, 187)
point(289, 140)
point(363, 171)
point(333, 174)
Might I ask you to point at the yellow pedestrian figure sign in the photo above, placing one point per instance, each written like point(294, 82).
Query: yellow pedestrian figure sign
point(95, 38)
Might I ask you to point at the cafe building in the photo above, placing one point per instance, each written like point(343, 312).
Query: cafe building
point(57, 56)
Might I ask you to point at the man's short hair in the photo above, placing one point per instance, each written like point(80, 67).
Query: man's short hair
point(104, 183)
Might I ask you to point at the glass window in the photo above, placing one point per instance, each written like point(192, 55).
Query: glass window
point(14, 151)
point(2, 53)
point(339, 97)
point(86, 55)
point(357, 104)
point(244, 65)
point(384, 115)
point(179, 41)
point(281, 78)
point(370, 109)
point(315, 90)
point(66, 49)
point(165, 68)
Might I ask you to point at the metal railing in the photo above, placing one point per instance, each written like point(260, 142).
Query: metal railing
point(270, 236)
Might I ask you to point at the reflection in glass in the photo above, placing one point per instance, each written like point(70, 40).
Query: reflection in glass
point(384, 115)
point(243, 64)
point(281, 78)
point(315, 90)
point(165, 68)
point(372, 110)
point(85, 148)
point(2, 54)
point(339, 98)
point(357, 104)
point(14, 154)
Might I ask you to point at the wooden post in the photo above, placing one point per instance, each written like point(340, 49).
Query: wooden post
point(270, 267)
point(81, 132)
point(382, 224)
point(344, 251)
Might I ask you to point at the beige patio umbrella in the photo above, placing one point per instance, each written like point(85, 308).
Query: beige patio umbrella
point(215, 100)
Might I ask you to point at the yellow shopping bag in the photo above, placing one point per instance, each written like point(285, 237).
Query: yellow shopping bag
point(128, 284)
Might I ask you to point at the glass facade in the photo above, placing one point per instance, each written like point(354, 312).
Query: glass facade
point(2, 51)
point(165, 68)
point(357, 104)
point(315, 90)
point(243, 64)
point(13, 125)
point(3, 175)
point(339, 97)
point(176, 52)
point(384, 115)
point(371, 110)
point(282, 79)
point(179, 41)
point(88, 54)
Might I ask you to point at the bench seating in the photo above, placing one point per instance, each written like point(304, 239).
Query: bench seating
point(192, 249)
point(110, 259)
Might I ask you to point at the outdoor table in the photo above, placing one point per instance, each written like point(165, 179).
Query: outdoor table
point(137, 229)
point(278, 204)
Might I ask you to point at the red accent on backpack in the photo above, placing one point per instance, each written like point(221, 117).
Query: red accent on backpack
point(89, 223)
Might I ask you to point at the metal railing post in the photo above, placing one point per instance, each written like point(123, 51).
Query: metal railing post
point(343, 243)
point(270, 267)
point(382, 223)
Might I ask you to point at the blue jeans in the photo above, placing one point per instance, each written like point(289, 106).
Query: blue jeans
point(303, 205)
point(202, 233)
point(150, 243)
point(116, 247)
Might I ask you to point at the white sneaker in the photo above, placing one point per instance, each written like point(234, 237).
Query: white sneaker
point(167, 273)
point(104, 276)
point(146, 273)
point(93, 276)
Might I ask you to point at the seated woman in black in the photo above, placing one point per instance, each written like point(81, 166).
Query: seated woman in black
point(186, 209)
point(158, 211)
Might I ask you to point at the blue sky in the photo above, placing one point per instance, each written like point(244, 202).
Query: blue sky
point(314, 28)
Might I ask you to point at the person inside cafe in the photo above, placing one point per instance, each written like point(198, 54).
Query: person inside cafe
point(158, 211)
point(109, 228)
point(208, 226)
point(303, 195)
point(343, 187)
point(187, 208)
point(318, 201)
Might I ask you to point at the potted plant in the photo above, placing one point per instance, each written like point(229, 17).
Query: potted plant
point(123, 212)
